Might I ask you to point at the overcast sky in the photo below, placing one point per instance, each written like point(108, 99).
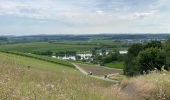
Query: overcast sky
point(23, 17)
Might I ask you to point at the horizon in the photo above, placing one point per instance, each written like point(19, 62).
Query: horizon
point(1, 35)
point(79, 17)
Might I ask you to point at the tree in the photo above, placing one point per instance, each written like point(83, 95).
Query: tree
point(154, 44)
point(151, 58)
point(135, 49)
point(103, 52)
point(131, 67)
point(167, 50)
point(146, 58)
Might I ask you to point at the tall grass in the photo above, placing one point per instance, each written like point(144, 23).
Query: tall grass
point(48, 81)
point(154, 86)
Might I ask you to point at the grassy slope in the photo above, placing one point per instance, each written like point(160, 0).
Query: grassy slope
point(44, 58)
point(47, 80)
point(51, 81)
point(115, 64)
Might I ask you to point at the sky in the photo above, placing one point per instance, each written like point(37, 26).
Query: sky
point(27, 17)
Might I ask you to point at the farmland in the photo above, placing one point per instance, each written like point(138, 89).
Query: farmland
point(77, 46)
point(98, 70)
point(45, 46)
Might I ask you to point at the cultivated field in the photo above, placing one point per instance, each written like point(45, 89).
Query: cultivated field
point(40, 47)
point(99, 70)
point(45, 46)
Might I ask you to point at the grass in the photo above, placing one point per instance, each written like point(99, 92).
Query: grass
point(117, 77)
point(45, 46)
point(115, 64)
point(44, 58)
point(154, 86)
point(77, 46)
point(47, 80)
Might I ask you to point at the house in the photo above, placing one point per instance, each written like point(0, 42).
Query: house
point(66, 57)
point(85, 56)
point(53, 56)
point(123, 52)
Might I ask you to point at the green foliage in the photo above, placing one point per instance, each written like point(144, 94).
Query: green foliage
point(151, 58)
point(154, 44)
point(167, 48)
point(131, 67)
point(105, 59)
point(146, 58)
point(135, 49)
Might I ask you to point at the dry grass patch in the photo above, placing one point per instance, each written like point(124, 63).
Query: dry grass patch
point(154, 86)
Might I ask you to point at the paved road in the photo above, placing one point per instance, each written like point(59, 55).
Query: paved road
point(97, 77)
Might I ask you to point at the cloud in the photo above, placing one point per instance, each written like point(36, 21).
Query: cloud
point(84, 15)
point(138, 15)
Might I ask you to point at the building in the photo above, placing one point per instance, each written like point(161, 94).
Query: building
point(53, 56)
point(123, 52)
point(85, 56)
point(67, 57)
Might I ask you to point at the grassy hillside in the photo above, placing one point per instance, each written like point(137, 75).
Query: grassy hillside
point(46, 80)
point(44, 58)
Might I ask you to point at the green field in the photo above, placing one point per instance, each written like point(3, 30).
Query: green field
point(45, 46)
point(77, 46)
point(115, 64)
point(45, 80)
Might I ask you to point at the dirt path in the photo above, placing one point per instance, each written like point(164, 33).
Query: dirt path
point(97, 77)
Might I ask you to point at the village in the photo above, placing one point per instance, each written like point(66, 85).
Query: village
point(87, 56)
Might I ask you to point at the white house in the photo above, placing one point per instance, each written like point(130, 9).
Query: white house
point(85, 56)
point(123, 52)
point(65, 57)
point(53, 56)
point(69, 58)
